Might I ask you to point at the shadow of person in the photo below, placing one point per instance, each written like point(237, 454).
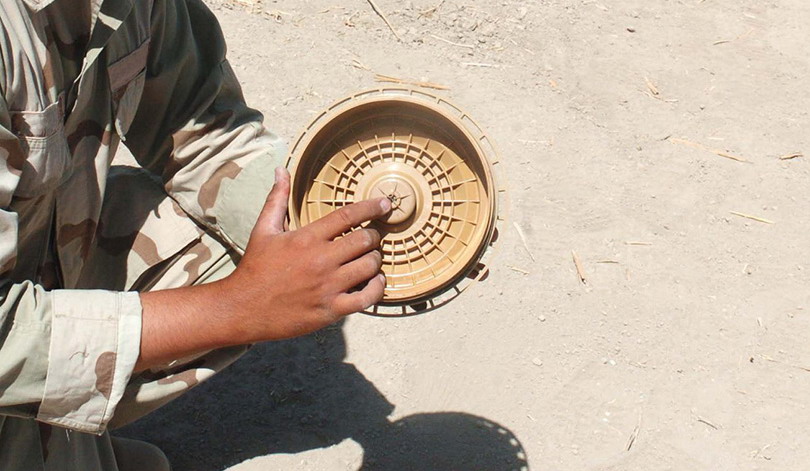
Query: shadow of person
point(442, 441)
point(299, 395)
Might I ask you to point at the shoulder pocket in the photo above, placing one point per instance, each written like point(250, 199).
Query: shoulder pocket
point(44, 145)
point(127, 76)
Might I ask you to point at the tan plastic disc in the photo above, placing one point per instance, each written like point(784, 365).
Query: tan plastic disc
point(403, 145)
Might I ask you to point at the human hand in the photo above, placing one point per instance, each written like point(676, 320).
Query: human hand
point(293, 283)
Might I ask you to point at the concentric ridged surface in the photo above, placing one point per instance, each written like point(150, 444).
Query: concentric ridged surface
point(427, 163)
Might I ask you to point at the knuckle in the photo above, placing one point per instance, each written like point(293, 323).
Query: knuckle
point(318, 264)
point(377, 261)
point(357, 304)
point(298, 242)
point(332, 313)
point(332, 308)
point(372, 298)
point(375, 236)
point(372, 264)
point(283, 184)
point(327, 311)
point(326, 306)
point(304, 239)
point(271, 195)
point(379, 292)
point(376, 298)
point(368, 237)
point(344, 214)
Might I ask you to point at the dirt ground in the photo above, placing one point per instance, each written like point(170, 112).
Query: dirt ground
point(631, 132)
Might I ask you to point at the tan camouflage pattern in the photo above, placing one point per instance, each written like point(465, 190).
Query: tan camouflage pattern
point(79, 237)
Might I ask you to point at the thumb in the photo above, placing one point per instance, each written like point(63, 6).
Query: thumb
point(271, 219)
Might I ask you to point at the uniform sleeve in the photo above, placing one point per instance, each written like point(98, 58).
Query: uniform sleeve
point(66, 356)
point(194, 129)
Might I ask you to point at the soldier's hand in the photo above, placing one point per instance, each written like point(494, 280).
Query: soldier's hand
point(287, 284)
point(293, 283)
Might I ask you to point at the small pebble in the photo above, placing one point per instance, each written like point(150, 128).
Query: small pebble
point(537, 362)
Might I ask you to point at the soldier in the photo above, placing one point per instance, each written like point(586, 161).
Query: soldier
point(119, 286)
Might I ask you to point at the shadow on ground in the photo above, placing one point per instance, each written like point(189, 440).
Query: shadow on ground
point(298, 395)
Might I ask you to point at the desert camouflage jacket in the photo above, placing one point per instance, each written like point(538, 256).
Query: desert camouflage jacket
point(77, 77)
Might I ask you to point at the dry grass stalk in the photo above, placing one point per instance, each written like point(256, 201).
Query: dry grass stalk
point(760, 452)
point(753, 218)
point(696, 145)
point(773, 360)
point(651, 87)
point(730, 156)
point(660, 98)
point(635, 242)
point(578, 266)
point(523, 239)
point(653, 92)
point(359, 65)
point(480, 64)
point(430, 11)
point(634, 435)
point(384, 18)
point(389, 79)
point(725, 41)
point(534, 141)
point(469, 46)
point(794, 155)
point(702, 420)
point(519, 270)
point(632, 440)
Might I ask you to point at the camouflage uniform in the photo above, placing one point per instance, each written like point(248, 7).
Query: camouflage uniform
point(79, 237)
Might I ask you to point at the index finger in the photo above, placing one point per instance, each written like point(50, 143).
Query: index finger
point(353, 215)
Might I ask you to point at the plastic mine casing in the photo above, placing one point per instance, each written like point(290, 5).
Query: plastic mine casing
point(435, 165)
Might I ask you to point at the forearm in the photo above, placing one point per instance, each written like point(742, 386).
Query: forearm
point(287, 284)
point(186, 321)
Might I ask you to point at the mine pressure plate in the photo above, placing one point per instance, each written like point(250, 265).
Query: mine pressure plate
point(435, 165)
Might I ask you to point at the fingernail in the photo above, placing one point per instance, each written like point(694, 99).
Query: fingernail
point(381, 277)
point(385, 204)
point(279, 173)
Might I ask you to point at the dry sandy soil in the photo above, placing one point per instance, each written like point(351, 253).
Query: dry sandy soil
point(619, 122)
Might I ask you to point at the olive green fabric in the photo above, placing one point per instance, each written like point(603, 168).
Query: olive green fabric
point(78, 237)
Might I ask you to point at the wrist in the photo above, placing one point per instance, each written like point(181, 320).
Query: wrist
point(225, 313)
point(186, 321)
